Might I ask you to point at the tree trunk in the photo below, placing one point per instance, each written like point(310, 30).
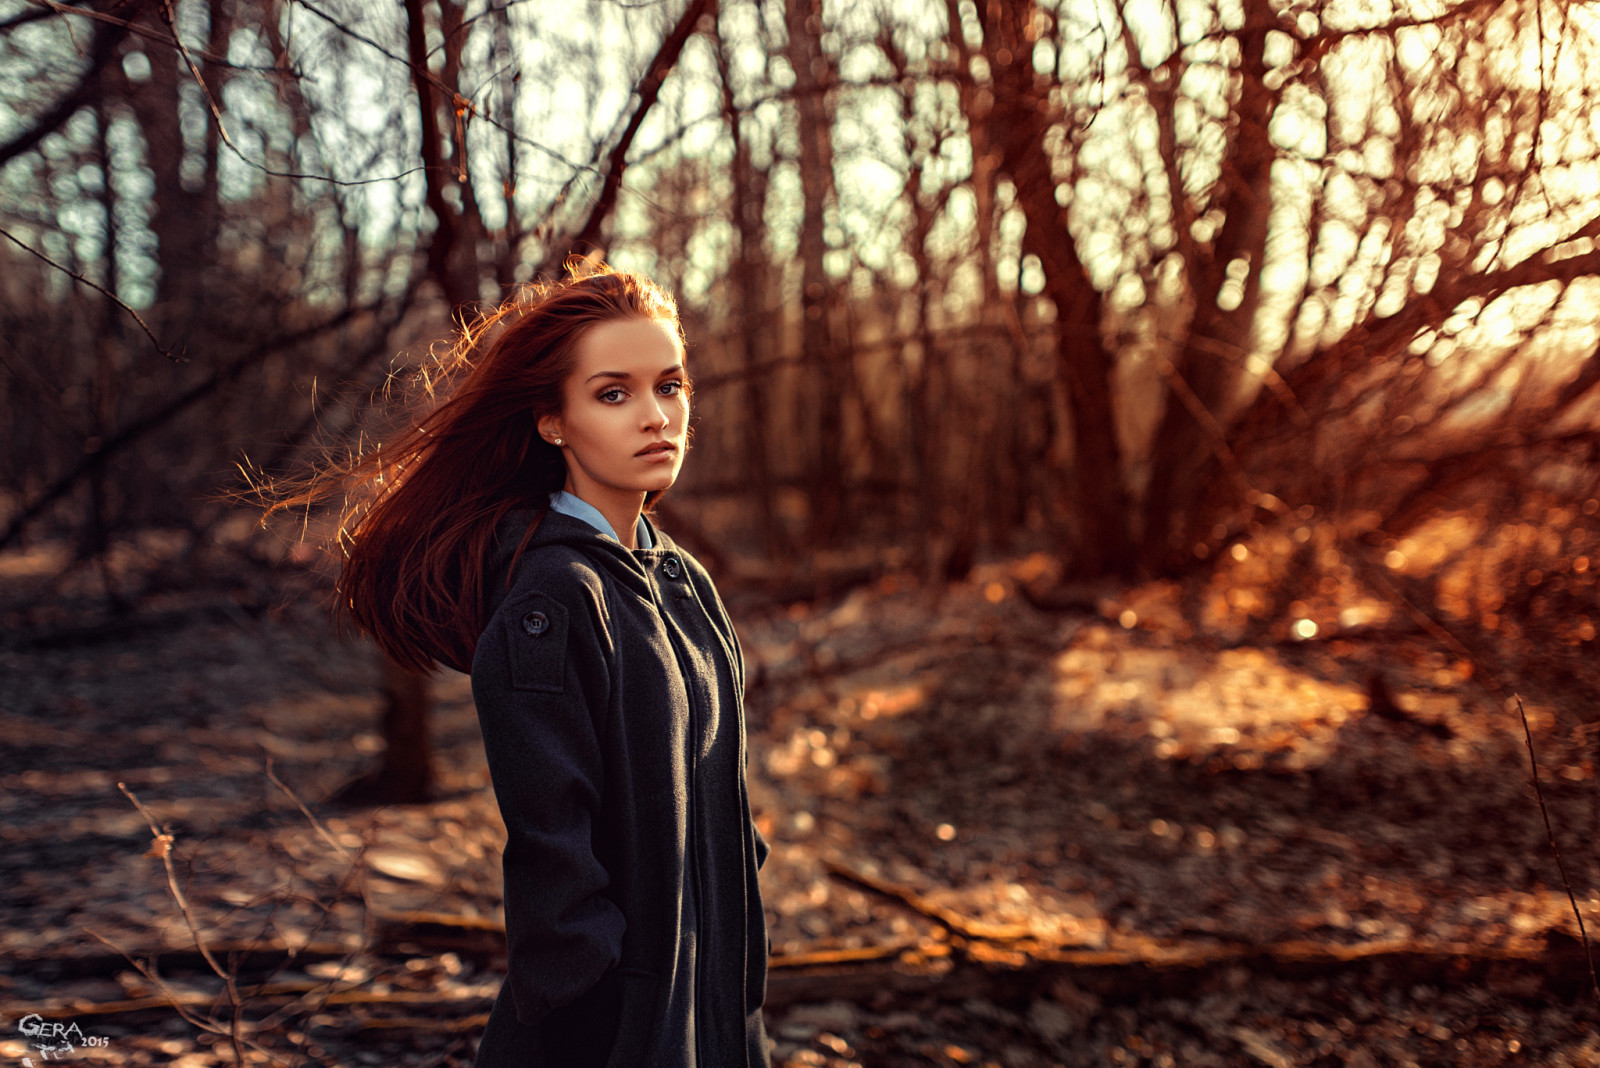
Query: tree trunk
point(508, 252)
point(175, 215)
point(750, 276)
point(1213, 357)
point(405, 777)
point(803, 20)
point(437, 172)
point(919, 382)
point(465, 254)
point(1019, 119)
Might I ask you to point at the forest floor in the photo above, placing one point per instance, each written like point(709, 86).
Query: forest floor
point(1002, 836)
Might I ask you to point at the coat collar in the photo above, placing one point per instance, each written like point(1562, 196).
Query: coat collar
point(628, 567)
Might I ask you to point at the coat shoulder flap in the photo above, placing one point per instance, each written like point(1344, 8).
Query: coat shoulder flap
point(535, 632)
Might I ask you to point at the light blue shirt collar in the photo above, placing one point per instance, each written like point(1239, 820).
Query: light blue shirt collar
point(578, 508)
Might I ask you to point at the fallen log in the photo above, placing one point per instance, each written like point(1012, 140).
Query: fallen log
point(955, 921)
point(263, 995)
point(248, 957)
point(1144, 968)
point(448, 1025)
point(951, 969)
point(412, 934)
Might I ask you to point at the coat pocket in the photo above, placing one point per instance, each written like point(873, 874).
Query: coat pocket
point(640, 1021)
point(577, 1034)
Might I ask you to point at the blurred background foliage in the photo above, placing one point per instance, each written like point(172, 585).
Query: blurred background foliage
point(1292, 301)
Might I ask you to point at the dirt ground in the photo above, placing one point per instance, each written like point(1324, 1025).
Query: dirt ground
point(1002, 836)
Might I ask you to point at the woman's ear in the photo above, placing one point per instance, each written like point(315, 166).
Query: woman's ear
point(550, 429)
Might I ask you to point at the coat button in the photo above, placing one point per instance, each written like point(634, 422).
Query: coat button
point(535, 623)
point(671, 566)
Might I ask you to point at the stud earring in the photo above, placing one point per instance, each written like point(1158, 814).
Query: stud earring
point(558, 441)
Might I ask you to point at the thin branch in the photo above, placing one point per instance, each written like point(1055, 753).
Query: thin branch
point(500, 9)
point(955, 921)
point(44, 11)
point(168, 16)
point(356, 874)
point(1561, 865)
point(102, 49)
point(52, 7)
point(439, 84)
point(162, 848)
point(178, 1002)
point(1218, 438)
point(316, 824)
point(95, 457)
point(49, 8)
point(165, 351)
point(648, 89)
point(221, 61)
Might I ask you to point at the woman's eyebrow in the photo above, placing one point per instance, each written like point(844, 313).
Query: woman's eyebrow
point(674, 369)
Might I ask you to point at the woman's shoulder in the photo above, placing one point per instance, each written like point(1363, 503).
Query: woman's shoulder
point(559, 570)
point(528, 564)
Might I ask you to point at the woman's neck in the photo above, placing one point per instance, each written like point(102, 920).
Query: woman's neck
point(621, 509)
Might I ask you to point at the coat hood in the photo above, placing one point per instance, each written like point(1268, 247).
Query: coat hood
point(557, 530)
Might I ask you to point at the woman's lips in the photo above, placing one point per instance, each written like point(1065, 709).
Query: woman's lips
point(658, 453)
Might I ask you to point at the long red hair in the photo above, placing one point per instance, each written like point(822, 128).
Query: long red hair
point(420, 510)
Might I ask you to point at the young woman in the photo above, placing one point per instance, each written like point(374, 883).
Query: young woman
point(508, 534)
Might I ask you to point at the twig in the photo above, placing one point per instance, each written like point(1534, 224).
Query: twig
point(170, 997)
point(316, 824)
point(121, 438)
point(170, 18)
point(1372, 573)
point(1561, 865)
point(1217, 437)
point(162, 847)
point(355, 873)
point(164, 350)
point(438, 83)
point(304, 998)
point(1450, 641)
point(962, 925)
point(835, 957)
point(177, 1002)
point(253, 955)
point(53, 7)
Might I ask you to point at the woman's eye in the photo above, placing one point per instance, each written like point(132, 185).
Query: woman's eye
point(611, 396)
point(671, 388)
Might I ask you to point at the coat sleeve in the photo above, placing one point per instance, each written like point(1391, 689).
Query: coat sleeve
point(762, 848)
point(725, 622)
point(541, 683)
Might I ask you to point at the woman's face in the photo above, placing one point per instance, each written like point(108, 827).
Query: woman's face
point(625, 412)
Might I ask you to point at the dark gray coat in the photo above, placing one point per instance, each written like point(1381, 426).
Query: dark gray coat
point(609, 686)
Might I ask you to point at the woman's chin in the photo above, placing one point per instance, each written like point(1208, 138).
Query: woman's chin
point(657, 484)
point(665, 479)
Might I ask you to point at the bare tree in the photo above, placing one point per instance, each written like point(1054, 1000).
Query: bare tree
point(976, 274)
